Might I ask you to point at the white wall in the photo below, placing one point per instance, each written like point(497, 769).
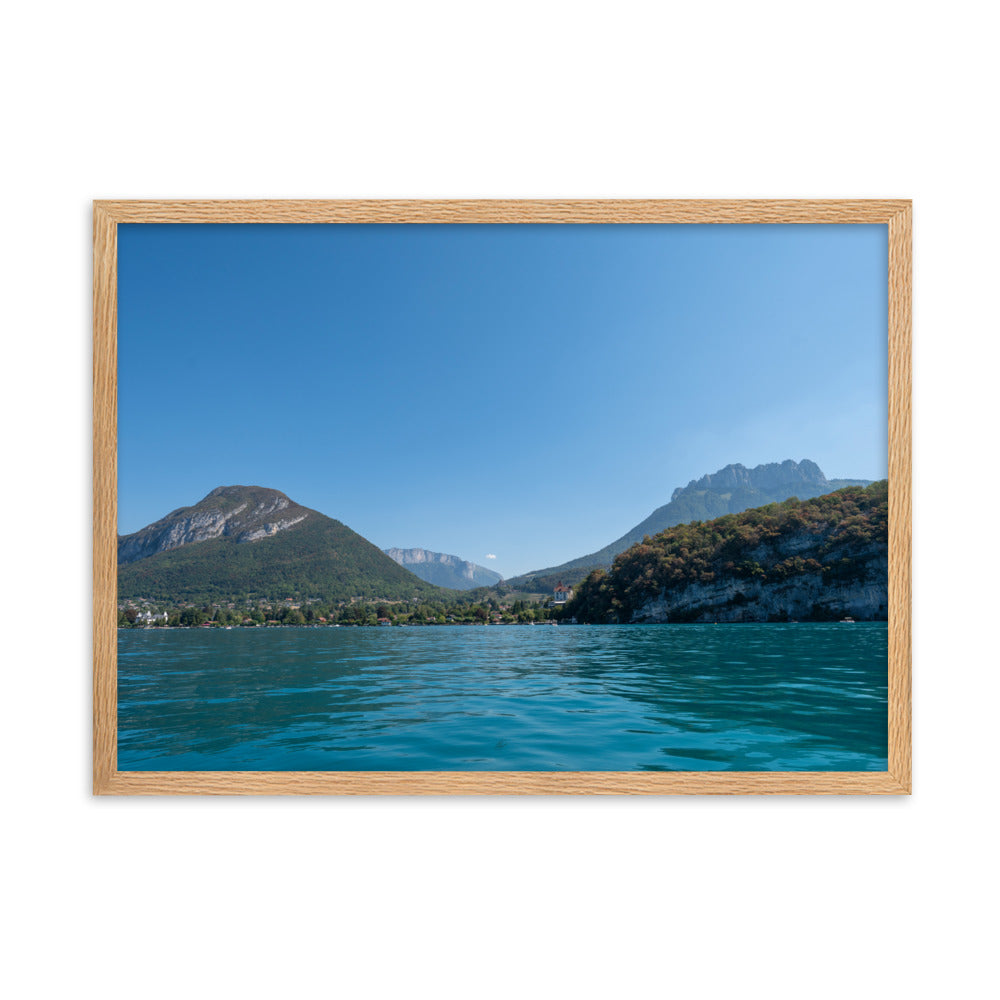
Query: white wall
point(452, 898)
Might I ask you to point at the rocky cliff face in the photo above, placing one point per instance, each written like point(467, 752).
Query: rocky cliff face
point(444, 570)
point(244, 513)
point(807, 596)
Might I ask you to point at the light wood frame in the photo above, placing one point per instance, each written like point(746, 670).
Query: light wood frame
point(108, 780)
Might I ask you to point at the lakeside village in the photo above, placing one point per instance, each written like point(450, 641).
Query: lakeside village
point(492, 608)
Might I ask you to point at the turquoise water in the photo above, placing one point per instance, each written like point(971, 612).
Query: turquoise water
point(507, 698)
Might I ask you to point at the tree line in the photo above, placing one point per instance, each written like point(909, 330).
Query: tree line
point(360, 613)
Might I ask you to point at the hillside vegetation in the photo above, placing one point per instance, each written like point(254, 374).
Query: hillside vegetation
point(816, 559)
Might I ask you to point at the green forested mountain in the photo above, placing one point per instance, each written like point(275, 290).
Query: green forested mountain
point(250, 543)
point(728, 491)
point(816, 559)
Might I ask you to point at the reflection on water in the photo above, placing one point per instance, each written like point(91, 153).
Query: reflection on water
point(506, 698)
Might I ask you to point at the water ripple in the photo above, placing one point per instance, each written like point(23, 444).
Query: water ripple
point(662, 697)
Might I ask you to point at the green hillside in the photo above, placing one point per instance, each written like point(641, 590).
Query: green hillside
point(308, 556)
point(723, 567)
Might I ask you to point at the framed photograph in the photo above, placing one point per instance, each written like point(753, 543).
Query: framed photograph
point(502, 497)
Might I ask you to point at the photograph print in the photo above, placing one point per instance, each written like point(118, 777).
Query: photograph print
point(505, 497)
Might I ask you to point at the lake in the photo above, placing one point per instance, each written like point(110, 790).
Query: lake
point(795, 697)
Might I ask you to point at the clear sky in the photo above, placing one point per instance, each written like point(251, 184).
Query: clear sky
point(528, 392)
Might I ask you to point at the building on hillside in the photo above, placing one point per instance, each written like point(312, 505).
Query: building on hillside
point(562, 593)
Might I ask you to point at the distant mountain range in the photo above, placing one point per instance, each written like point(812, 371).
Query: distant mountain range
point(444, 570)
point(729, 491)
point(243, 543)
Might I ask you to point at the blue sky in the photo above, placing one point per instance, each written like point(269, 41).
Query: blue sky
point(524, 391)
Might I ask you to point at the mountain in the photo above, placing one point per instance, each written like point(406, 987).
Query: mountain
point(444, 570)
point(728, 491)
point(818, 559)
point(245, 543)
point(243, 513)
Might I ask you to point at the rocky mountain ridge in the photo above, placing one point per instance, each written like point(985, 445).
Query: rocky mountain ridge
point(731, 490)
point(768, 476)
